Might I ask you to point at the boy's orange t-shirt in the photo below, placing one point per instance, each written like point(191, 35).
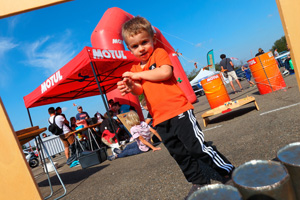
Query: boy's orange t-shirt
point(165, 99)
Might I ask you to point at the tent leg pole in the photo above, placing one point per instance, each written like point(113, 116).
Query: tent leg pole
point(29, 117)
point(104, 100)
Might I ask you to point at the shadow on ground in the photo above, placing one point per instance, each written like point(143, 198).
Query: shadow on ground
point(231, 115)
point(72, 177)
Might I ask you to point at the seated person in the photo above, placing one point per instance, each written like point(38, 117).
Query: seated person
point(108, 131)
point(110, 103)
point(117, 108)
point(141, 134)
point(99, 117)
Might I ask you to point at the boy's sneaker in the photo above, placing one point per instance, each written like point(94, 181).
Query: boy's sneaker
point(111, 158)
point(227, 179)
point(117, 151)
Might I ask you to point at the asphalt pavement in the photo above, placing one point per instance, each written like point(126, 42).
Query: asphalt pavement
point(241, 135)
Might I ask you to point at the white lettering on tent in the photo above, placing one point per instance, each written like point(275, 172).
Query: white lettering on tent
point(124, 57)
point(112, 53)
point(106, 54)
point(120, 55)
point(117, 41)
point(115, 54)
point(97, 53)
point(52, 80)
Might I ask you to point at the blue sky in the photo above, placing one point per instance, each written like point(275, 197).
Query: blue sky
point(34, 45)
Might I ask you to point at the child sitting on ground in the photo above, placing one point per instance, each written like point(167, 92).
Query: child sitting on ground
point(142, 138)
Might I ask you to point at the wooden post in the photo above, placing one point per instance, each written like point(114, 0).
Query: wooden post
point(289, 11)
point(10, 8)
point(17, 181)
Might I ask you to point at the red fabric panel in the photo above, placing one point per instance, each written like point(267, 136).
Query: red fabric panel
point(76, 79)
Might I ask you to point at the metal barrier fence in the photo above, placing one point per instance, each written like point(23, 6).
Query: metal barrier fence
point(53, 144)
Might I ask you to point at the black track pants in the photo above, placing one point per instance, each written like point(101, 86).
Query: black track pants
point(184, 140)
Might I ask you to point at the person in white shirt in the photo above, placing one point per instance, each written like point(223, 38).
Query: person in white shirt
point(67, 137)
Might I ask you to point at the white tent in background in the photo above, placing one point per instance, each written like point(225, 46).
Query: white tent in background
point(205, 74)
point(201, 75)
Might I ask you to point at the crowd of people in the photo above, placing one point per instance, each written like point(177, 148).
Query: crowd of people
point(110, 133)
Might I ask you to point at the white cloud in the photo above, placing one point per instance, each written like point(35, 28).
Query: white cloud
point(6, 44)
point(50, 53)
point(12, 22)
point(4, 76)
point(270, 15)
point(64, 109)
point(198, 44)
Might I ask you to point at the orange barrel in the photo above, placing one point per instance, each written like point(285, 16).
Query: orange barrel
point(266, 73)
point(215, 91)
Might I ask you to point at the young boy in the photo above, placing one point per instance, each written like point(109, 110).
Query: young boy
point(171, 111)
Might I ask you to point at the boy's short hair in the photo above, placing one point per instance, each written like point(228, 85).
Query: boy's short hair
point(135, 26)
point(132, 118)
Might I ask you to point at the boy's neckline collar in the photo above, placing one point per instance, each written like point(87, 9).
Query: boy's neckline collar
point(143, 65)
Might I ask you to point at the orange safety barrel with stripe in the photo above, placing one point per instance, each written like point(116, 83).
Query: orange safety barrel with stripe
point(266, 73)
point(215, 91)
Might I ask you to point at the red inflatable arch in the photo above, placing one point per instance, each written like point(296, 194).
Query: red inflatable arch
point(107, 35)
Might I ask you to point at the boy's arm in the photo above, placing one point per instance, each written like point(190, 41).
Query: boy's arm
point(161, 73)
point(148, 144)
point(155, 133)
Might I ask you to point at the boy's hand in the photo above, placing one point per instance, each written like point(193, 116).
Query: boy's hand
point(125, 86)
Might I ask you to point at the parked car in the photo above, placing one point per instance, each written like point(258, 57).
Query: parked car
point(283, 56)
point(198, 90)
point(240, 74)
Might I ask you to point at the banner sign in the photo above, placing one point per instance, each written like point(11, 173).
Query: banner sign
point(211, 61)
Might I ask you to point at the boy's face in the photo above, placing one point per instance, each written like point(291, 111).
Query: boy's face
point(141, 45)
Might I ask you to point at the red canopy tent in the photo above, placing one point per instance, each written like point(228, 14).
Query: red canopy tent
point(92, 72)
